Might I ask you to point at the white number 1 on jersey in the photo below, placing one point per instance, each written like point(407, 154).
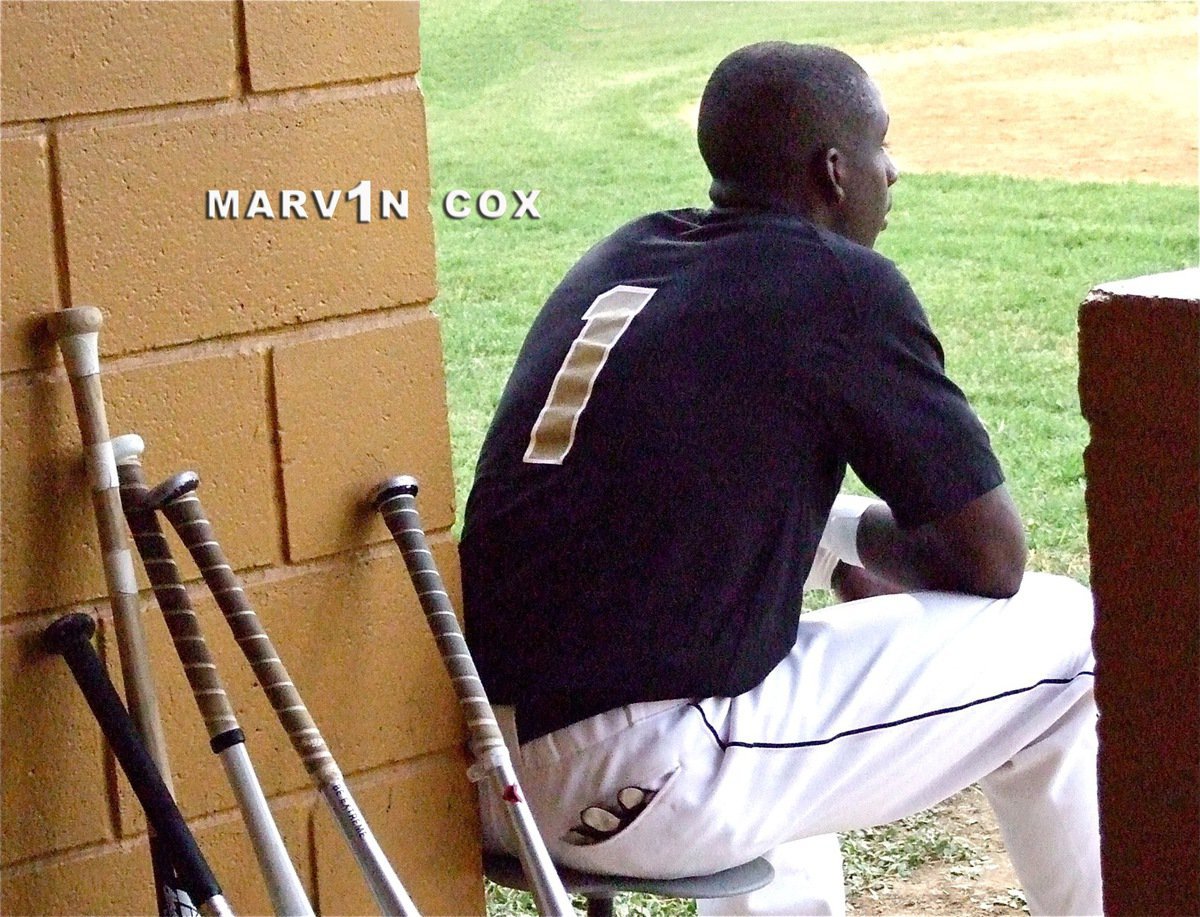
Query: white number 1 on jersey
point(603, 324)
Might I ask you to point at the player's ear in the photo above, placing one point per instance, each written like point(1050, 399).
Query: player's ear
point(830, 175)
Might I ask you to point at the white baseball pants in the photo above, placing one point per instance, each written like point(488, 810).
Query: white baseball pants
point(884, 707)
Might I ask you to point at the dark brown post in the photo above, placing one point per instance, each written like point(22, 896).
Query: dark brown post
point(1139, 383)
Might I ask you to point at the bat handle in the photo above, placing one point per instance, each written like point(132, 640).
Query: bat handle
point(77, 331)
point(395, 499)
point(177, 500)
point(182, 622)
point(225, 735)
point(70, 637)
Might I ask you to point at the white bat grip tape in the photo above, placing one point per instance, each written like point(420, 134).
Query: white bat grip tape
point(81, 353)
point(102, 466)
point(120, 572)
point(487, 762)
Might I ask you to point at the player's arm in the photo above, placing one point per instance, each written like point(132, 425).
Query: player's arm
point(979, 549)
point(911, 436)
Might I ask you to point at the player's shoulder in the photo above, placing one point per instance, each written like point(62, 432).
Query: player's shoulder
point(632, 238)
point(659, 225)
point(862, 265)
point(875, 282)
point(792, 238)
point(706, 224)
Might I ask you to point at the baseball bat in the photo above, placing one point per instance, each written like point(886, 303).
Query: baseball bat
point(395, 499)
point(78, 332)
point(226, 738)
point(177, 500)
point(70, 636)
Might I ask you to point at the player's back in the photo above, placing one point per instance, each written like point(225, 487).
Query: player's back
point(659, 467)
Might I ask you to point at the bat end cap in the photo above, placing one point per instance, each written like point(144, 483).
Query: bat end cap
point(69, 630)
point(128, 447)
point(394, 487)
point(171, 489)
point(77, 320)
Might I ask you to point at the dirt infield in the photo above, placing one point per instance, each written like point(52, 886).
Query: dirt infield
point(1113, 101)
point(986, 884)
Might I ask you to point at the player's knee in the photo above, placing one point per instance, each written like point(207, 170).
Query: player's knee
point(1064, 606)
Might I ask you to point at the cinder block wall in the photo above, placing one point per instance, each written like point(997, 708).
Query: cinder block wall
point(1139, 382)
point(292, 363)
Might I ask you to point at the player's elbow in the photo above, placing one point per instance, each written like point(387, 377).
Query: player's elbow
point(997, 566)
point(985, 546)
point(980, 550)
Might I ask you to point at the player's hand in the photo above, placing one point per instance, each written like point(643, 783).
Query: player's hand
point(841, 530)
point(851, 583)
point(838, 541)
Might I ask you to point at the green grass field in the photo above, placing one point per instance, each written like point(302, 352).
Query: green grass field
point(583, 101)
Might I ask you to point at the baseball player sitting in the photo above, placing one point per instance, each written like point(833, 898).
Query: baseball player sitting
point(661, 481)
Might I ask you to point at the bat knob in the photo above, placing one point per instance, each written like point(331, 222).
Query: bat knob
point(79, 320)
point(171, 489)
point(394, 487)
point(68, 631)
point(128, 448)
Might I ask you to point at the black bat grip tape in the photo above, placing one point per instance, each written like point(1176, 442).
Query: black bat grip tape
point(70, 636)
point(396, 498)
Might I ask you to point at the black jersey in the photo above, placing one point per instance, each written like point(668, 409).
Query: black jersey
point(654, 485)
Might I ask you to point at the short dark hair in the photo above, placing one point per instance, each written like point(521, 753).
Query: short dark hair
point(770, 107)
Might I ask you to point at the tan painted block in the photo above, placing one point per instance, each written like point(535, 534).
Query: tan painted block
point(67, 58)
point(426, 820)
point(118, 880)
point(353, 411)
point(48, 550)
point(53, 784)
point(28, 272)
point(134, 199)
point(209, 415)
point(196, 775)
point(357, 647)
point(312, 42)
point(108, 880)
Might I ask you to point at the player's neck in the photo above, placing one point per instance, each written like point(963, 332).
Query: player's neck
point(734, 196)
